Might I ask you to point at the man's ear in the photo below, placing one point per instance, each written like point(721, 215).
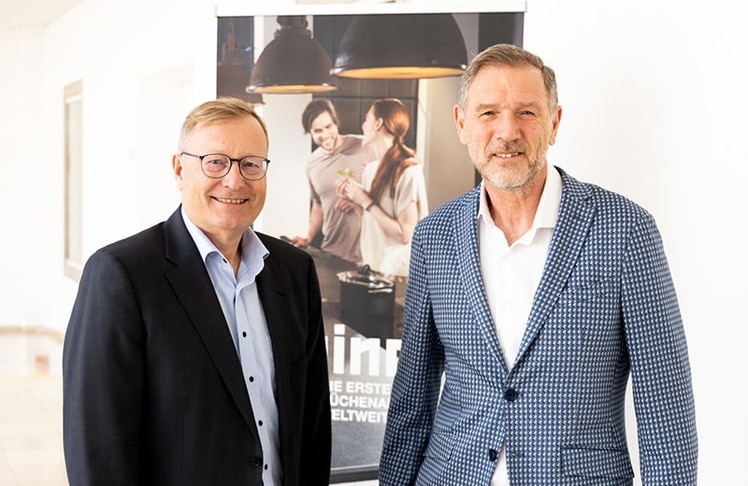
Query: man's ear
point(459, 117)
point(176, 167)
point(556, 121)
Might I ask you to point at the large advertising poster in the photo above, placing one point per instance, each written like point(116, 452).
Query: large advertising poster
point(363, 58)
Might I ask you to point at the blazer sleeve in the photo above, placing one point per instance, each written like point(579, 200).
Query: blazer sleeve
point(103, 372)
point(661, 376)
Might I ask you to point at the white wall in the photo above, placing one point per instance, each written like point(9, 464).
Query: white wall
point(24, 195)
point(654, 107)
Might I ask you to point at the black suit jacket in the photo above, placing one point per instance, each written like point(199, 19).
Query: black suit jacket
point(153, 387)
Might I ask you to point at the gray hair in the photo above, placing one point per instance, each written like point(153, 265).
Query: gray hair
point(508, 55)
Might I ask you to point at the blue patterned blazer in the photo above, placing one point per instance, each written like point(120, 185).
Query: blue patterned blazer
point(605, 309)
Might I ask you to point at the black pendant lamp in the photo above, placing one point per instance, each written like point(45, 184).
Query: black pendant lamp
point(404, 46)
point(231, 80)
point(232, 73)
point(292, 62)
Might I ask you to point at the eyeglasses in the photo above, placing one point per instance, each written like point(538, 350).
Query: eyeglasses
point(216, 166)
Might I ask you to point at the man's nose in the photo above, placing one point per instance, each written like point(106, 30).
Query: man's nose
point(506, 127)
point(234, 177)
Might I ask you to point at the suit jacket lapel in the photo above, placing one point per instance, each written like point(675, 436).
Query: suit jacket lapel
point(192, 285)
point(273, 297)
point(472, 282)
point(572, 225)
point(277, 313)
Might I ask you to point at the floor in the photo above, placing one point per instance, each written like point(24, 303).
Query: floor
point(31, 431)
point(30, 408)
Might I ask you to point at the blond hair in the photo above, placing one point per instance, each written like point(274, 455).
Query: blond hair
point(216, 111)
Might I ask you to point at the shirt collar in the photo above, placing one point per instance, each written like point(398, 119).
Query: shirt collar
point(550, 202)
point(253, 251)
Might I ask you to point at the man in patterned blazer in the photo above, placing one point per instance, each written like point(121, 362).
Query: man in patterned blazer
point(532, 298)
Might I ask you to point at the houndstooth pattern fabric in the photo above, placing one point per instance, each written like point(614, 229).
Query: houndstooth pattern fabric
point(605, 309)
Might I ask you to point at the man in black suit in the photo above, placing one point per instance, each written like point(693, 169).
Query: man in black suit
point(195, 352)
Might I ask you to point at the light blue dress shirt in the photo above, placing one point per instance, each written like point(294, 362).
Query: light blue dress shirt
point(246, 322)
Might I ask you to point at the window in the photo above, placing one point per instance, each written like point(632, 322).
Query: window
point(73, 256)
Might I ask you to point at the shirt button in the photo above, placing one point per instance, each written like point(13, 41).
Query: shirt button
point(259, 422)
point(244, 333)
point(251, 379)
point(510, 394)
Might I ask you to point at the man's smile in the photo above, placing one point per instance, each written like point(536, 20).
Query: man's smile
point(507, 155)
point(230, 201)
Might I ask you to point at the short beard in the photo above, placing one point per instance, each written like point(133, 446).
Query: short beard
point(510, 180)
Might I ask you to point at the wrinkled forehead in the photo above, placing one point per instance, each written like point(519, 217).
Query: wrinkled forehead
point(500, 78)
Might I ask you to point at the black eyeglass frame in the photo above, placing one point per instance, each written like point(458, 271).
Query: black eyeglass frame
point(254, 159)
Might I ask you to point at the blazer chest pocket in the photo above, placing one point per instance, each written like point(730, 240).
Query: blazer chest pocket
point(589, 291)
point(596, 463)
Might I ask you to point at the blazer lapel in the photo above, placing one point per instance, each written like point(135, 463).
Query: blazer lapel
point(280, 318)
point(572, 225)
point(277, 312)
point(192, 285)
point(466, 226)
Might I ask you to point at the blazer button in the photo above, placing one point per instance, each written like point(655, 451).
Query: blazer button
point(510, 394)
point(493, 454)
point(255, 461)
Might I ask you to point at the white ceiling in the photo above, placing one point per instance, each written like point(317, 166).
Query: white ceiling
point(19, 14)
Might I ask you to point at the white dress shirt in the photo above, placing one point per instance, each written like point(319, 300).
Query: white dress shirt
point(246, 322)
point(511, 275)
